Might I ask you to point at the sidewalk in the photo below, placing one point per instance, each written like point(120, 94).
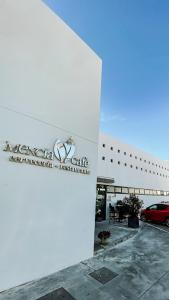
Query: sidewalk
point(83, 281)
point(119, 233)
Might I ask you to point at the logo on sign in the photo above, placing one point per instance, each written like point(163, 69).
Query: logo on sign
point(64, 151)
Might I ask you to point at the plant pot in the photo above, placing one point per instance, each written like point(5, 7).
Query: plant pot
point(103, 241)
point(133, 222)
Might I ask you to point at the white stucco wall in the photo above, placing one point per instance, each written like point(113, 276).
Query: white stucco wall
point(49, 89)
point(131, 177)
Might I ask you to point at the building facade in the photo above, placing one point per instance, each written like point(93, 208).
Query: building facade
point(49, 118)
point(49, 111)
point(124, 170)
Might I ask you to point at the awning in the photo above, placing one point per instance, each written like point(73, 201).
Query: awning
point(105, 180)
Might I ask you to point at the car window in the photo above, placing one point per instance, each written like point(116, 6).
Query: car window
point(161, 206)
point(152, 207)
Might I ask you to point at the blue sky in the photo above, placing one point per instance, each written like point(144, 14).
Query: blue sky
point(132, 38)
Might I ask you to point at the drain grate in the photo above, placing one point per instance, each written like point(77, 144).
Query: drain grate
point(58, 294)
point(103, 275)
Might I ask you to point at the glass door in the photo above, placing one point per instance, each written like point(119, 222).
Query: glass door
point(101, 203)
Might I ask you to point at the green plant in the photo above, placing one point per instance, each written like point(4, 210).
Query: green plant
point(134, 204)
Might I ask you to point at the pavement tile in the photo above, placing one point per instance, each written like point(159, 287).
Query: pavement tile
point(103, 275)
point(159, 290)
point(58, 294)
point(117, 291)
point(82, 289)
point(99, 295)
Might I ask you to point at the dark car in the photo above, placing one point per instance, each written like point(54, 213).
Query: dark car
point(157, 213)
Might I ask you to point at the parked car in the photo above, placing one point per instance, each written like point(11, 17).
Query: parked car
point(157, 213)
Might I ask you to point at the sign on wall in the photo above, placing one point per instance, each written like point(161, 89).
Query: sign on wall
point(62, 157)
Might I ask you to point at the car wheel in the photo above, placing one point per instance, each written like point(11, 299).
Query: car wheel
point(143, 218)
point(167, 222)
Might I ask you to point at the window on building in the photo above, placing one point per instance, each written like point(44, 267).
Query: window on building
point(118, 162)
point(137, 191)
point(141, 169)
point(147, 192)
point(150, 171)
point(124, 153)
point(136, 168)
point(103, 157)
point(118, 150)
point(130, 155)
point(142, 191)
point(140, 159)
point(145, 160)
point(110, 189)
point(131, 166)
point(149, 162)
point(104, 145)
point(131, 191)
point(135, 157)
point(145, 170)
point(111, 160)
point(111, 148)
point(117, 189)
point(125, 190)
point(125, 165)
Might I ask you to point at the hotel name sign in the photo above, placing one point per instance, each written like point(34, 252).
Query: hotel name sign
point(62, 157)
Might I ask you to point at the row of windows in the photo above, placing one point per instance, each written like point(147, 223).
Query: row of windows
point(141, 159)
point(136, 191)
point(137, 168)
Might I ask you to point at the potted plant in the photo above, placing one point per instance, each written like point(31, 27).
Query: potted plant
point(134, 205)
point(103, 236)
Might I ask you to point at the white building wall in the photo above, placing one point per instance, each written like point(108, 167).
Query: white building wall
point(49, 89)
point(128, 176)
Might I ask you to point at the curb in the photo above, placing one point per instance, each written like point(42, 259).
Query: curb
point(117, 242)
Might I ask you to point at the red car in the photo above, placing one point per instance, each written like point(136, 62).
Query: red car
point(157, 213)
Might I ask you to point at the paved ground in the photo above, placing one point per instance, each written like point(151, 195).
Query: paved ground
point(137, 269)
point(119, 233)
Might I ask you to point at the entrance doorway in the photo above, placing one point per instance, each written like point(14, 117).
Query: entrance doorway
point(100, 203)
